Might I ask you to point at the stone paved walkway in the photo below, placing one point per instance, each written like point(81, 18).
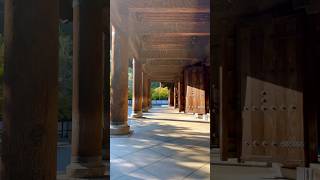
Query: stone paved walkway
point(232, 170)
point(165, 145)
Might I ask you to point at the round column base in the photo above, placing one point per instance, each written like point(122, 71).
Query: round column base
point(119, 129)
point(86, 168)
point(137, 114)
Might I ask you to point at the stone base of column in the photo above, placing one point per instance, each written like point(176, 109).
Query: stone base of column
point(123, 129)
point(86, 168)
point(137, 114)
point(108, 169)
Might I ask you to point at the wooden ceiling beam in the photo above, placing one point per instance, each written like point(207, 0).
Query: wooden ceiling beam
point(164, 3)
point(170, 62)
point(171, 27)
point(172, 54)
point(171, 10)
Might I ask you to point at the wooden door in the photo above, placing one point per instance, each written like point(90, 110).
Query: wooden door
point(289, 49)
point(272, 105)
point(255, 125)
point(195, 90)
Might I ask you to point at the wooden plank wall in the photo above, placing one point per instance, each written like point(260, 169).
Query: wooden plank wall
point(277, 62)
point(271, 53)
point(195, 90)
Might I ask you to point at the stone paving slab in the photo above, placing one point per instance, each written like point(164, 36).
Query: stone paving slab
point(165, 144)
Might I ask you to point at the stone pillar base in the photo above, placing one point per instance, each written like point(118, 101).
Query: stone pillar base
point(86, 168)
point(137, 114)
point(119, 129)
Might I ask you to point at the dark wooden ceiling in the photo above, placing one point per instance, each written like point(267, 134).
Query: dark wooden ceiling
point(165, 35)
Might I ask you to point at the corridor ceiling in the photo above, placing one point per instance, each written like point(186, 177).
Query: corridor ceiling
point(165, 35)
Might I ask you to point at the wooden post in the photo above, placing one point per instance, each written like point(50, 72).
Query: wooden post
point(149, 95)
point(176, 95)
point(29, 139)
point(145, 100)
point(171, 96)
point(137, 89)
point(106, 88)
point(87, 110)
point(119, 85)
point(181, 94)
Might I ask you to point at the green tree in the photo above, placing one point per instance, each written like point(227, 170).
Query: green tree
point(65, 76)
point(160, 93)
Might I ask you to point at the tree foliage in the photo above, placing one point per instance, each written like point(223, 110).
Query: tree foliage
point(65, 77)
point(160, 93)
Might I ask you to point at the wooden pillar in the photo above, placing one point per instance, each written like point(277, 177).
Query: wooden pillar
point(171, 96)
point(137, 89)
point(29, 136)
point(145, 101)
point(119, 86)
point(87, 108)
point(181, 94)
point(149, 95)
point(175, 95)
point(106, 88)
point(310, 91)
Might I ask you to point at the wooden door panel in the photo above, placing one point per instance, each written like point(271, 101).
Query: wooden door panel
point(272, 109)
point(195, 90)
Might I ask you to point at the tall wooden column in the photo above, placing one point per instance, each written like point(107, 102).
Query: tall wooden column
point(29, 138)
point(181, 94)
point(87, 110)
point(119, 85)
point(106, 88)
point(137, 89)
point(145, 101)
point(175, 95)
point(149, 95)
point(171, 96)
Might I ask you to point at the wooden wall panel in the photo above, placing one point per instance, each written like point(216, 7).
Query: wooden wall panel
point(195, 93)
point(289, 48)
point(186, 89)
point(188, 80)
point(270, 52)
point(194, 90)
point(251, 54)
